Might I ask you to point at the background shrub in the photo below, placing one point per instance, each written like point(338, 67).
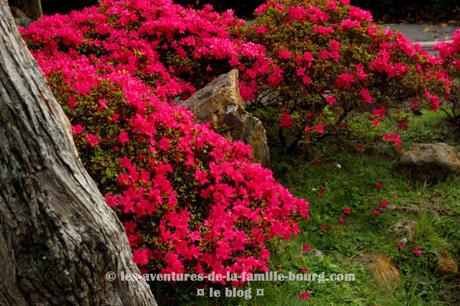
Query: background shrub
point(450, 57)
point(333, 61)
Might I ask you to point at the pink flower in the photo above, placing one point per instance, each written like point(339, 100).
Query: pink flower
point(141, 256)
point(306, 247)
point(359, 14)
point(417, 251)
point(325, 31)
point(320, 128)
point(395, 138)
point(349, 24)
point(347, 210)
point(341, 220)
point(261, 29)
point(324, 54)
point(379, 112)
point(306, 80)
point(297, 13)
point(384, 203)
point(286, 120)
point(304, 295)
point(324, 227)
point(284, 54)
point(163, 144)
point(123, 137)
point(378, 185)
point(376, 211)
point(77, 129)
point(434, 101)
point(366, 96)
point(400, 246)
point(332, 5)
point(344, 80)
point(92, 139)
point(307, 56)
point(303, 270)
point(330, 100)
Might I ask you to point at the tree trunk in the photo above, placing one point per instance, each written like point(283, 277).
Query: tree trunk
point(58, 238)
point(32, 8)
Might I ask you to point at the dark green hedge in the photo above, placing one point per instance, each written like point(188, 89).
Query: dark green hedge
point(242, 8)
point(63, 7)
point(386, 10)
point(411, 10)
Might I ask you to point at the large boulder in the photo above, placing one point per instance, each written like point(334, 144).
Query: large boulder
point(220, 104)
point(431, 160)
point(383, 269)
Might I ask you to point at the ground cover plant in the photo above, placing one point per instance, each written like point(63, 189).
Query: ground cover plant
point(347, 184)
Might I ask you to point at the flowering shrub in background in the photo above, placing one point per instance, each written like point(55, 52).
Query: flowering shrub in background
point(449, 54)
point(333, 61)
point(190, 200)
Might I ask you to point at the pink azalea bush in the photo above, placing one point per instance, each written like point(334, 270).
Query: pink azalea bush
point(449, 54)
point(190, 200)
point(334, 61)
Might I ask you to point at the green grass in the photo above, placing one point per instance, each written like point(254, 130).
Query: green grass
point(352, 184)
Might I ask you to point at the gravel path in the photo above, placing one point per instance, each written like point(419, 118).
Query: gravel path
point(424, 32)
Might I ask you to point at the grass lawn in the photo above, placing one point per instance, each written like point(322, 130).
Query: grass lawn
point(336, 178)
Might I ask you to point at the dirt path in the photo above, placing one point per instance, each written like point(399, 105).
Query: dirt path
point(424, 32)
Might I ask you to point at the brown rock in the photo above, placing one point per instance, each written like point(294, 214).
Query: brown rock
point(220, 103)
point(431, 160)
point(445, 265)
point(383, 269)
point(404, 229)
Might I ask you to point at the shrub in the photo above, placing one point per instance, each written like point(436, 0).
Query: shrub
point(335, 61)
point(449, 54)
point(190, 200)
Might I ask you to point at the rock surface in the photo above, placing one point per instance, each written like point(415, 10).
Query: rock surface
point(445, 265)
point(431, 160)
point(383, 269)
point(404, 229)
point(220, 104)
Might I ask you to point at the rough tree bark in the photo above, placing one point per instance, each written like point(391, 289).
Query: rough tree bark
point(32, 8)
point(58, 238)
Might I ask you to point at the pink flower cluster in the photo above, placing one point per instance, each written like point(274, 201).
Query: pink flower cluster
point(333, 56)
point(190, 200)
point(449, 54)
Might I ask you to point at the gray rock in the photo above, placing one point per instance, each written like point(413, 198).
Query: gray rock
point(404, 229)
point(317, 253)
point(430, 160)
point(220, 104)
